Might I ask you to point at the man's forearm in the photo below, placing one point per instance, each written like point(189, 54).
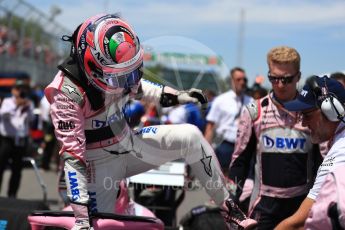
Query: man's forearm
point(297, 220)
point(209, 132)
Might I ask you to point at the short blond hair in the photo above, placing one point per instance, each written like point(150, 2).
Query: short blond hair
point(284, 55)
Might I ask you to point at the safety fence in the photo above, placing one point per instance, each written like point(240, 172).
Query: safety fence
point(30, 40)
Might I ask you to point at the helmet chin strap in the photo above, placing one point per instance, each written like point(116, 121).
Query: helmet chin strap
point(72, 40)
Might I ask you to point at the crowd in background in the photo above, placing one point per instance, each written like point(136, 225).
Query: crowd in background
point(10, 45)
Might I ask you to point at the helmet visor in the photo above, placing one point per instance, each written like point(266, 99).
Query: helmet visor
point(125, 81)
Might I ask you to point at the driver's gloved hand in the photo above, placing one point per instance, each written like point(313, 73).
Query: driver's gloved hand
point(173, 97)
point(193, 95)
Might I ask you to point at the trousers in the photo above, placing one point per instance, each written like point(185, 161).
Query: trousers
point(9, 151)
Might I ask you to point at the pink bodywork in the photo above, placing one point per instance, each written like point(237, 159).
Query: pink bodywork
point(143, 219)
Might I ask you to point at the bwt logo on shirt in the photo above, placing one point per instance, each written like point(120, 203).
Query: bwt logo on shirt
point(73, 181)
point(111, 119)
point(283, 142)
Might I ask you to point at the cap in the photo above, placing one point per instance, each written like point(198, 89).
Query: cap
point(308, 98)
point(21, 83)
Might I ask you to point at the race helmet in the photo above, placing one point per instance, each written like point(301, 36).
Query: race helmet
point(109, 53)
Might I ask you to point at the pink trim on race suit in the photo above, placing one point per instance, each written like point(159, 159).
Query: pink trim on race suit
point(267, 190)
point(255, 203)
point(60, 85)
point(74, 156)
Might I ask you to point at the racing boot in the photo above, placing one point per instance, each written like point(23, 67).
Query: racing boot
point(235, 218)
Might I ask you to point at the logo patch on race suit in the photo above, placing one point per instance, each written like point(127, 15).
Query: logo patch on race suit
point(118, 116)
point(90, 172)
point(63, 107)
point(66, 125)
point(206, 161)
point(327, 164)
point(98, 124)
point(283, 142)
point(147, 130)
point(71, 89)
point(73, 181)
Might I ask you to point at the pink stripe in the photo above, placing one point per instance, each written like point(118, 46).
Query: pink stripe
point(251, 209)
point(74, 155)
point(284, 192)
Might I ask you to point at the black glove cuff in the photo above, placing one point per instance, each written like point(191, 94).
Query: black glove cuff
point(168, 99)
point(200, 96)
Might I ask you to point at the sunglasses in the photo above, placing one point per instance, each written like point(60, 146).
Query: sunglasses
point(284, 80)
point(306, 116)
point(241, 79)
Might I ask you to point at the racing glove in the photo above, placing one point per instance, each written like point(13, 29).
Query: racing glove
point(202, 100)
point(183, 97)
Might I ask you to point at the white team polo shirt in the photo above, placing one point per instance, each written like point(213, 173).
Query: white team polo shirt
point(14, 121)
point(334, 158)
point(224, 113)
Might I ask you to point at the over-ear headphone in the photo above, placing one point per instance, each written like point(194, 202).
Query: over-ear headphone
point(327, 101)
point(209, 216)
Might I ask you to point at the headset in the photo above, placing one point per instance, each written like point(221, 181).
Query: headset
point(327, 101)
point(207, 216)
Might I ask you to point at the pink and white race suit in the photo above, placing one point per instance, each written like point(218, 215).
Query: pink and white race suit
point(99, 148)
point(284, 157)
